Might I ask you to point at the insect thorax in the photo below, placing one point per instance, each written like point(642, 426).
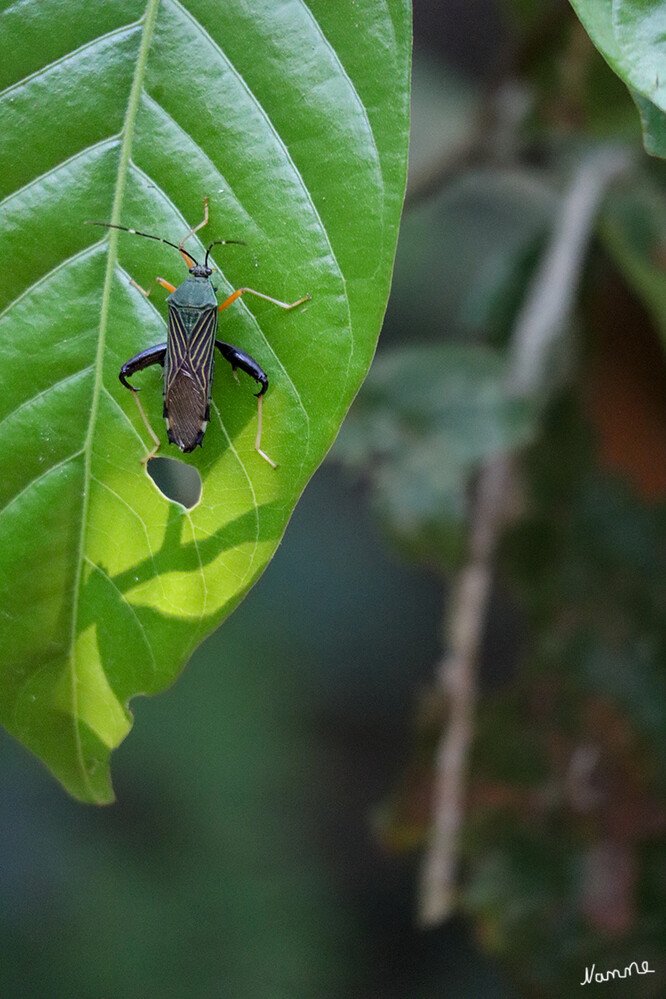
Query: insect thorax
point(195, 294)
point(189, 318)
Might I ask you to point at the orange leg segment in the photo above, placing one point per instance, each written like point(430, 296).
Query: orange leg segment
point(158, 280)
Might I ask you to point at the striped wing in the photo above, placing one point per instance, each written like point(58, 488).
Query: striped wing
point(188, 374)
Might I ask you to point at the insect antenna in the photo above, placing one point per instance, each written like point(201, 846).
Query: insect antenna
point(147, 235)
point(222, 242)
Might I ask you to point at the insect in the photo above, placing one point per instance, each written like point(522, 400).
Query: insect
point(188, 354)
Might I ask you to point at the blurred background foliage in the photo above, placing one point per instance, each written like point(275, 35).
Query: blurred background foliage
point(269, 804)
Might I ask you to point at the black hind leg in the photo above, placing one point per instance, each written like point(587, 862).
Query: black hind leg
point(151, 355)
point(239, 359)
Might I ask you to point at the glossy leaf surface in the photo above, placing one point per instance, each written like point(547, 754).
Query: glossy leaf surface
point(293, 119)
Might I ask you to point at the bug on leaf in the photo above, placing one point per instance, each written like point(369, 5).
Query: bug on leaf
point(188, 356)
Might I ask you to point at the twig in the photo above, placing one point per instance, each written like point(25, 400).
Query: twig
point(547, 307)
point(540, 323)
point(456, 675)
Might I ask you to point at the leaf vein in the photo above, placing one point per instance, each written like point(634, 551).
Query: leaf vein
point(20, 191)
point(49, 388)
point(42, 475)
point(149, 18)
point(129, 606)
point(61, 60)
point(79, 255)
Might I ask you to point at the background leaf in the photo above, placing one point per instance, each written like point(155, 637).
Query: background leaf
point(427, 418)
point(653, 123)
point(631, 36)
point(293, 120)
point(634, 233)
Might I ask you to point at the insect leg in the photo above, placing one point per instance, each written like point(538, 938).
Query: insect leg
point(257, 442)
point(158, 280)
point(239, 359)
point(196, 229)
point(146, 421)
point(250, 291)
point(151, 355)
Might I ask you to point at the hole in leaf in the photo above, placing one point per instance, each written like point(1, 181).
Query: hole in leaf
point(179, 482)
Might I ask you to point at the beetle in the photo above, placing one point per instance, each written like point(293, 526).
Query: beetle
point(188, 354)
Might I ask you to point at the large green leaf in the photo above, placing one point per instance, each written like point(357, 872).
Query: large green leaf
point(292, 118)
point(631, 36)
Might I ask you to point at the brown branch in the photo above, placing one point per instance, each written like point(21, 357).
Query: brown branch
point(456, 676)
point(540, 323)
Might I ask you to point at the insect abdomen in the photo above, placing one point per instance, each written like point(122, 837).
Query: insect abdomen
point(188, 374)
point(186, 411)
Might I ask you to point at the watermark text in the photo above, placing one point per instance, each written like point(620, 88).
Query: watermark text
point(605, 976)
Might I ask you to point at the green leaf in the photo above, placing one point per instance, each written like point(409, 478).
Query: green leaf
point(631, 36)
point(633, 229)
point(464, 256)
point(293, 119)
point(653, 123)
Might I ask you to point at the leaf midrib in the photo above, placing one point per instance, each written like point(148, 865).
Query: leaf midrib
point(148, 19)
